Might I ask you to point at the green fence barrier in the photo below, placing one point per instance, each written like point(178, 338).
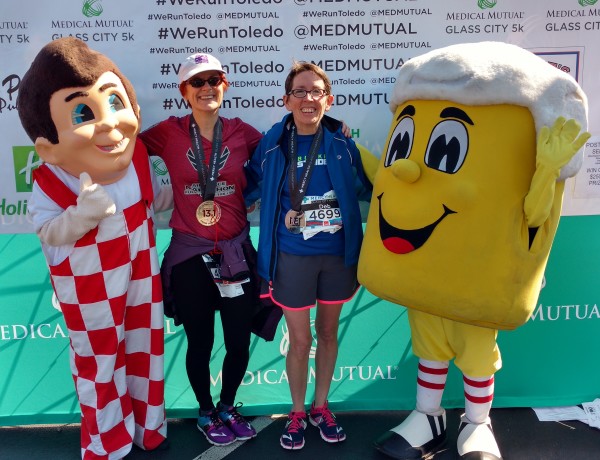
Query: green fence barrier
point(552, 360)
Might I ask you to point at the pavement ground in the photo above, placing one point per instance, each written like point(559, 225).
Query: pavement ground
point(519, 433)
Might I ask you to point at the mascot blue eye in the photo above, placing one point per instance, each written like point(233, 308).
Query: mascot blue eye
point(401, 141)
point(81, 114)
point(116, 103)
point(448, 146)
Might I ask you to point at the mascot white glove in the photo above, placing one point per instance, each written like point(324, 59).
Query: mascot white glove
point(93, 205)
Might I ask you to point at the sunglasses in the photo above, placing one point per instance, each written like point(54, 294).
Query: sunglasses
point(199, 82)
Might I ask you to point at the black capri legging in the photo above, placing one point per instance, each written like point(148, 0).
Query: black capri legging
point(197, 298)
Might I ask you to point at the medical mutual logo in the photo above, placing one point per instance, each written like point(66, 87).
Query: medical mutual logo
point(91, 8)
point(485, 4)
point(160, 169)
point(587, 2)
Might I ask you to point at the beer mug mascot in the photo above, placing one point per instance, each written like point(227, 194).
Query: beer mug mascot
point(92, 207)
point(466, 203)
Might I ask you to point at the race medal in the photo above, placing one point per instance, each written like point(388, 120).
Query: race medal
point(294, 221)
point(208, 213)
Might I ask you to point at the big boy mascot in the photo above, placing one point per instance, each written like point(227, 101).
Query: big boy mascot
point(92, 210)
point(466, 202)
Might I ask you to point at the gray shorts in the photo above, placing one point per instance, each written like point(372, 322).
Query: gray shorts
point(301, 281)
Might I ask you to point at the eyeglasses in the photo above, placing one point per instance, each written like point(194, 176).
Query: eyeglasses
point(316, 93)
point(199, 82)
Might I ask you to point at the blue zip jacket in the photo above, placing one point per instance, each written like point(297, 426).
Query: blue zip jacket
point(266, 172)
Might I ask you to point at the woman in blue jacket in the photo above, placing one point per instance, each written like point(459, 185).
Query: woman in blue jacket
point(305, 172)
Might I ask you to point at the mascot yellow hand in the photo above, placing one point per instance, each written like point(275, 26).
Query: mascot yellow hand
point(555, 148)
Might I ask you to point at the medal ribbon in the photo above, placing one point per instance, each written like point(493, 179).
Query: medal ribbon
point(207, 178)
point(298, 186)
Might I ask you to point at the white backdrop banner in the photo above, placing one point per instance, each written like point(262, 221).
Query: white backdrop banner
point(361, 44)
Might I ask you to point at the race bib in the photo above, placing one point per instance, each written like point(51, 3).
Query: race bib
point(226, 288)
point(322, 214)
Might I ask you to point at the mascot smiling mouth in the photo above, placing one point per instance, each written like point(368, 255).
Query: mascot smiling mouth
point(401, 241)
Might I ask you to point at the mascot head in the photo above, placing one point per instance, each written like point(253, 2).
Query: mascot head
point(447, 231)
point(80, 110)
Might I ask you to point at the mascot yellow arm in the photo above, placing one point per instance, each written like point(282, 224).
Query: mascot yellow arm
point(369, 161)
point(555, 148)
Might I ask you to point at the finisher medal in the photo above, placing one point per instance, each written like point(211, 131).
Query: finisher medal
point(208, 213)
point(294, 221)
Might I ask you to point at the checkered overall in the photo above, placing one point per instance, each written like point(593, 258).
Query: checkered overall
point(110, 293)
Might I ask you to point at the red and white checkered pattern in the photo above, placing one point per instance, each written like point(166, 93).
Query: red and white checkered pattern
point(110, 293)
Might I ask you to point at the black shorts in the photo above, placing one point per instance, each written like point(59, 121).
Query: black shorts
point(302, 281)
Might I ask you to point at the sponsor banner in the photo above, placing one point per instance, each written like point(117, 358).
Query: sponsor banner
point(360, 43)
point(375, 370)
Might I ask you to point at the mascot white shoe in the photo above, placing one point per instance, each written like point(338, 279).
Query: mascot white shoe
point(419, 435)
point(476, 441)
